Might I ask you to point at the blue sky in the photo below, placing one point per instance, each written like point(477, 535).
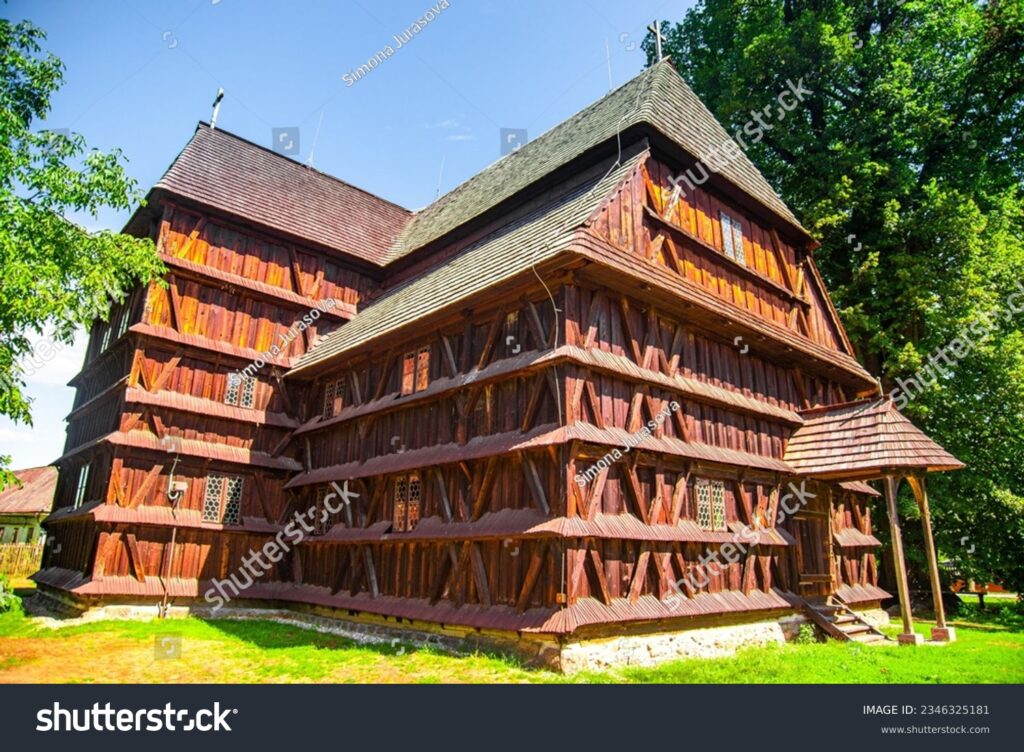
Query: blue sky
point(140, 75)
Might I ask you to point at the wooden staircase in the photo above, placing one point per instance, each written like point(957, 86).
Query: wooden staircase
point(840, 622)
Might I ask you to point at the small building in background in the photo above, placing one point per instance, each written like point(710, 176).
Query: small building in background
point(23, 507)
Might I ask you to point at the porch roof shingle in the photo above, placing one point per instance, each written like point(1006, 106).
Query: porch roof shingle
point(860, 440)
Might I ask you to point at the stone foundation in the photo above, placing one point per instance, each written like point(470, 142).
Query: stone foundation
point(653, 648)
point(593, 649)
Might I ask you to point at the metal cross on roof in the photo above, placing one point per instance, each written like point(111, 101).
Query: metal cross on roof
point(655, 29)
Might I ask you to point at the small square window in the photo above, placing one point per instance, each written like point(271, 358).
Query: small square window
point(416, 371)
point(732, 238)
point(703, 490)
point(248, 391)
point(422, 369)
point(406, 503)
point(241, 390)
point(233, 502)
point(710, 504)
point(222, 501)
point(83, 484)
point(105, 342)
point(334, 398)
point(211, 500)
point(122, 321)
point(718, 505)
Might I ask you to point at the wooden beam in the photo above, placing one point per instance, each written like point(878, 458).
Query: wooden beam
point(147, 484)
point(492, 336)
point(594, 402)
point(596, 490)
point(532, 575)
point(484, 491)
point(891, 486)
point(917, 485)
point(632, 344)
point(633, 484)
point(442, 492)
point(479, 574)
point(172, 288)
point(448, 355)
point(533, 481)
point(115, 489)
point(371, 571)
point(603, 593)
point(261, 495)
point(441, 573)
point(640, 572)
point(166, 371)
point(135, 557)
point(536, 328)
point(593, 318)
point(536, 393)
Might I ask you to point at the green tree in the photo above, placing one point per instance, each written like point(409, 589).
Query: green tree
point(55, 277)
point(906, 163)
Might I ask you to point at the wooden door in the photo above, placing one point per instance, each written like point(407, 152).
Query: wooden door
point(813, 550)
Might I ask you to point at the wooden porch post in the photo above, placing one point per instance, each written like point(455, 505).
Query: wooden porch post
point(908, 637)
point(940, 631)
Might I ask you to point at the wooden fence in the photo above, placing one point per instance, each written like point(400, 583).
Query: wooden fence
point(20, 559)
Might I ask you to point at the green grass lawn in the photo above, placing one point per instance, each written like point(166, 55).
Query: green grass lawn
point(990, 649)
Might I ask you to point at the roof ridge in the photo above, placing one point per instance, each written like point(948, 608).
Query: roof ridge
point(643, 81)
point(554, 127)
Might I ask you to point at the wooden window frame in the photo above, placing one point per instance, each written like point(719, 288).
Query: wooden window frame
point(406, 503)
point(321, 524)
point(240, 392)
point(732, 237)
point(709, 496)
point(415, 374)
point(334, 398)
point(82, 485)
point(226, 485)
point(105, 340)
point(122, 322)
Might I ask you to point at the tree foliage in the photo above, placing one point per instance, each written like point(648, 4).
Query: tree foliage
point(906, 163)
point(55, 277)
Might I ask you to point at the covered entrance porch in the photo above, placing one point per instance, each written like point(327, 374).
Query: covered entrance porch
point(870, 440)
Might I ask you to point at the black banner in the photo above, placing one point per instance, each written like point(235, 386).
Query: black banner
point(198, 717)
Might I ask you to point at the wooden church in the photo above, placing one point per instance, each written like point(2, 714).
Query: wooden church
point(577, 406)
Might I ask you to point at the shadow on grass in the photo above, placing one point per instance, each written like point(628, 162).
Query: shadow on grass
point(271, 635)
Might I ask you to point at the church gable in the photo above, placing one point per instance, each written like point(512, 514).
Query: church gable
point(718, 244)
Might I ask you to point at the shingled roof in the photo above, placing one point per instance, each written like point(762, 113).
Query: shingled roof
point(229, 173)
point(34, 496)
point(862, 439)
point(506, 252)
point(234, 175)
point(658, 96)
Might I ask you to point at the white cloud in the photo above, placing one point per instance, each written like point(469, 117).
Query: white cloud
point(54, 363)
point(447, 124)
point(14, 434)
